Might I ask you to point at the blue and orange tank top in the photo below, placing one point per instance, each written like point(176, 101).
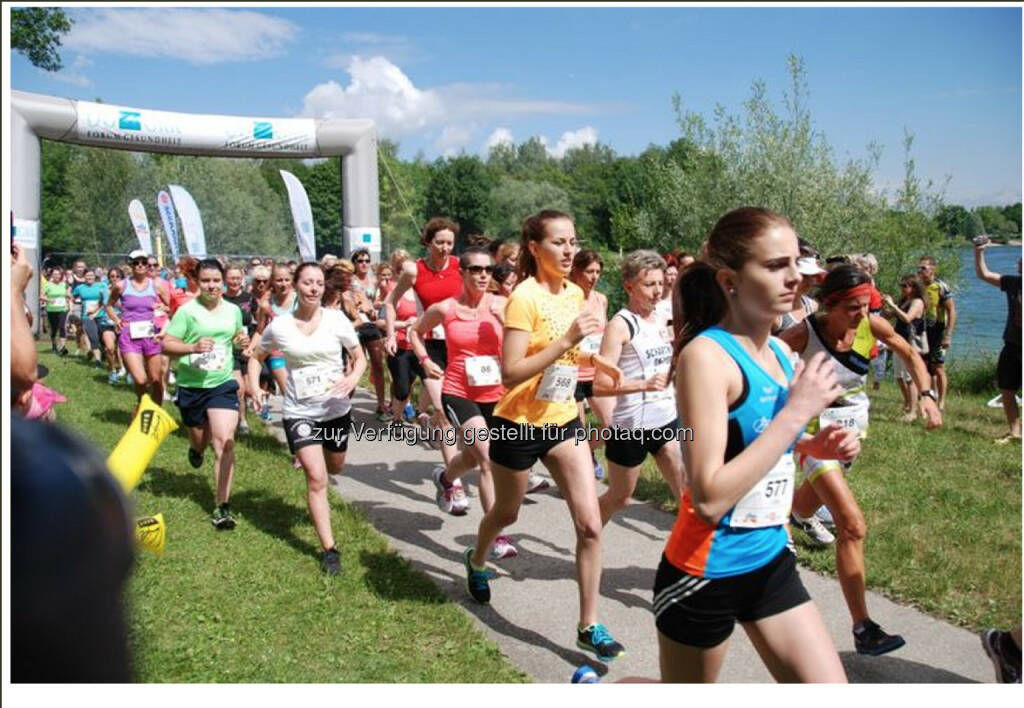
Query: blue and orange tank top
point(720, 551)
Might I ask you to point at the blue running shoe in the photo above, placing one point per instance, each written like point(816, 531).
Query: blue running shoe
point(586, 674)
point(477, 580)
point(598, 470)
point(596, 638)
point(409, 413)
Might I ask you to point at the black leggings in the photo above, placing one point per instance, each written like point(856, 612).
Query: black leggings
point(403, 366)
point(57, 321)
point(92, 333)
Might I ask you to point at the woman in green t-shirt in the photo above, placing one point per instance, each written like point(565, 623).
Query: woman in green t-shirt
point(55, 297)
point(203, 333)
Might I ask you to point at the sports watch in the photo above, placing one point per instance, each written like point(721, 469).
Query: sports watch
point(930, 393)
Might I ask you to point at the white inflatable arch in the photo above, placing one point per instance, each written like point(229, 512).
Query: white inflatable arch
point(34, 116)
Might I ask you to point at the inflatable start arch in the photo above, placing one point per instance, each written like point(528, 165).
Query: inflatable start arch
point(35, 116)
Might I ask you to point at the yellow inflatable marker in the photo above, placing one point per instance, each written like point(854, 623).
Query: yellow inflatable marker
point(151, 533)
point(137, 446)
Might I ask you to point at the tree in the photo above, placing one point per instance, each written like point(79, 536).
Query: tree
point(950, 220)
point(512, 200)
point(36, 33)
point(460, 189)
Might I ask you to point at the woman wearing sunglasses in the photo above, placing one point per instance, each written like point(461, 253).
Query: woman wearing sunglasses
point(472, 386)
point(139, 340)
point(369, 325)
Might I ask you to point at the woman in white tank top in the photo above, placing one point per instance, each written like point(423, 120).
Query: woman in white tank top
point(644, 420)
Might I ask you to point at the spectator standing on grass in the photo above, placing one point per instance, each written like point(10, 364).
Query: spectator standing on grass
point(939, 321)
point(909, 316)
point(1008, 371)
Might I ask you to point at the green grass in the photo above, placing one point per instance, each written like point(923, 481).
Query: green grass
point(251, 605)
point(943, 510)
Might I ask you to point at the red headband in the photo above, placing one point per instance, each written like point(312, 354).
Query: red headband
point(856, 291)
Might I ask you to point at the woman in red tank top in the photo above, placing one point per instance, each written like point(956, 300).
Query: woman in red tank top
point(473, 326)
point(433, 278)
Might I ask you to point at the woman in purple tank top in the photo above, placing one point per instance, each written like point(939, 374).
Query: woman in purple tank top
point(139, 340)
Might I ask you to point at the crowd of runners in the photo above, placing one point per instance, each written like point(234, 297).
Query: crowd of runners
point(741, 372)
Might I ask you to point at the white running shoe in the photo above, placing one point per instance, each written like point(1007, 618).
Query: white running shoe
point(536, 483)
point(813, 529)
point(446, 497)
point(460, 503)
point(503, 548)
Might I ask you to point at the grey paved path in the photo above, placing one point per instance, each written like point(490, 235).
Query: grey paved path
point(533, 608)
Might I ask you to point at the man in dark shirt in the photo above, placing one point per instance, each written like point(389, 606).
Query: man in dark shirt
point(1008, 373)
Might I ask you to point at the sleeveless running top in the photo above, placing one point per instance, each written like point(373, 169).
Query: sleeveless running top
point(648, 352)
point(591, 344)
point(789, 321)
point(851, 368)
point(474, 351)
point(137, 305)
point(720, 551)
point(407, 308)
point(431, 286)
point(283, 309)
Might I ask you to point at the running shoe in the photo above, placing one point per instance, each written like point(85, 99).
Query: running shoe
point(477, 579)
point(222, 519)
point(113, 378)
point(1006, 439)
point(813, 529)
point(330, 562)
point(129, 380)
point(63, 351)
point(195, 458)
point(873, 641)
point(171, 378)
point(596, 638)
point(825, 516)
point(503, 549)
point(409, 413)
point(585, 674)
point(444, 496)
point(999, 645)
point(383, 416)
point(243, 427)
point(460, 503)
point(598, 469)
point(265, 411)
point(536, 483)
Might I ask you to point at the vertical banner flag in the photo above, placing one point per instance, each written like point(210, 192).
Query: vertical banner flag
point(191, 222)
point(137, 214)
point(302, 215)
point(166, 209)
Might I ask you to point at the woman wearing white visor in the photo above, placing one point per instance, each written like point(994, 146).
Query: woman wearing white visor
point(803, 304)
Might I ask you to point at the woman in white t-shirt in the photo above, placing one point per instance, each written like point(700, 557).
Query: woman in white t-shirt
point(317, 408)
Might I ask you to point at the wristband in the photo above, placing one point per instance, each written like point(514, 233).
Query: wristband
point(423, 359)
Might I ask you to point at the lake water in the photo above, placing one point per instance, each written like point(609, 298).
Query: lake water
point(981, 308)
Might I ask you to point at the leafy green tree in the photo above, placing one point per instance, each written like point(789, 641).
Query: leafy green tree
point(950, 220)
point(512, 200)
point(460, 189)
point(402, 187)
point(588, 172)
point(36, 33)
point(1012, 213)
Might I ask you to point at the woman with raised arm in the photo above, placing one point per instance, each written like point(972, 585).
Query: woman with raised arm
point(729, 557)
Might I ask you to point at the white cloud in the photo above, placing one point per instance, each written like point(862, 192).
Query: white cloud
point(587, 135)
point(73, 74)
point(378, 89)
point(198, 36)
point(500, 136)
point(453, 138)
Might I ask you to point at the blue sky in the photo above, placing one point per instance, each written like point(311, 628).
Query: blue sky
point(444, 80)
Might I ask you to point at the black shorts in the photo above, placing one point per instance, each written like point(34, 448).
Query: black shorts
point(241, 363)
point(584, 390)
point(1008, 373)
point(632, 449)
point(369, 332)
point(518, 446)
point(332, 434)
point(458, 410)
point(701, 612)
point(107, 327)
point(936, 355)
point(437, 350)
point(194, 402)
point(404, 366)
